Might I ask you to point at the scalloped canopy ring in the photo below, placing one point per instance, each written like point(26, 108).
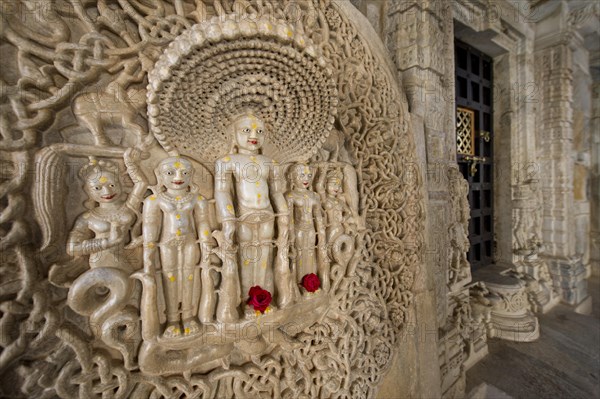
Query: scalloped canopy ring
point(224, 66)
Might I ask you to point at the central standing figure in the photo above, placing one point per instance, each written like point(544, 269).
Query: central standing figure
point(248, 186)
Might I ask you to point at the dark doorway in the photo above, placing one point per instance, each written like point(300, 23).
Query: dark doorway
point(474, 146)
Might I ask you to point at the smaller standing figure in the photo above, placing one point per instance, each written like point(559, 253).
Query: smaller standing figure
point(339, 215)
point(458, 231)
point(306, 225)
point(103, 231)
point(172, 219)
point(342, 225)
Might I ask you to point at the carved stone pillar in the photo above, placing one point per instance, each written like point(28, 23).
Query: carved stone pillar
point(563, 153)
point(527, 243)
point(595, 171)
point(420, 38)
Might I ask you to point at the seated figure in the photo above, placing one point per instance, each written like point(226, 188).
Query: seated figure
point(173, 219)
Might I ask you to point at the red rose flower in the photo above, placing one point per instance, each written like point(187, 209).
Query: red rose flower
point(259, 299)
point(311, 282)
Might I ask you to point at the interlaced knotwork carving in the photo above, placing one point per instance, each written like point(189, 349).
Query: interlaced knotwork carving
point(47, 348)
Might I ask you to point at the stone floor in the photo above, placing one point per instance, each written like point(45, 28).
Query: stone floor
point(563, 363)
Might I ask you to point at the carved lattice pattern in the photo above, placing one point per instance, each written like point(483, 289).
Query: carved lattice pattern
point(465, 131)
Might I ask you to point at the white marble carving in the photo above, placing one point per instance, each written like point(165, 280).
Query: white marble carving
point(210, 69)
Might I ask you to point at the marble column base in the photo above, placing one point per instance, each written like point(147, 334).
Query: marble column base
point(501, 299)
point(533, 271)
point(451, 356)
point(477, 349)
point(569, 279)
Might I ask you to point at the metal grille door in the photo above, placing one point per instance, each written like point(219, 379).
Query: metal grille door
point(474, 139)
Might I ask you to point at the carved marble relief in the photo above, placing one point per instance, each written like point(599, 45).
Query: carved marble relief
point(239, 227)
point(459, 271)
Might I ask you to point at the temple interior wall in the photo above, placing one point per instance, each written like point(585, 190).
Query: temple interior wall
point(546, 123)
point(546, 130)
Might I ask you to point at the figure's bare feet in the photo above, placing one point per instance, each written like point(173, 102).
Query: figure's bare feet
point(172, 330)
point(250, 313)
point(191, 327)
point(307, 294)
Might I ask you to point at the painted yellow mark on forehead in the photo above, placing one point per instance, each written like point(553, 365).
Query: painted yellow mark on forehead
point(254, 125)
point(306, 170)
point(103, 179)
point(177, 165)
point(288, 33)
